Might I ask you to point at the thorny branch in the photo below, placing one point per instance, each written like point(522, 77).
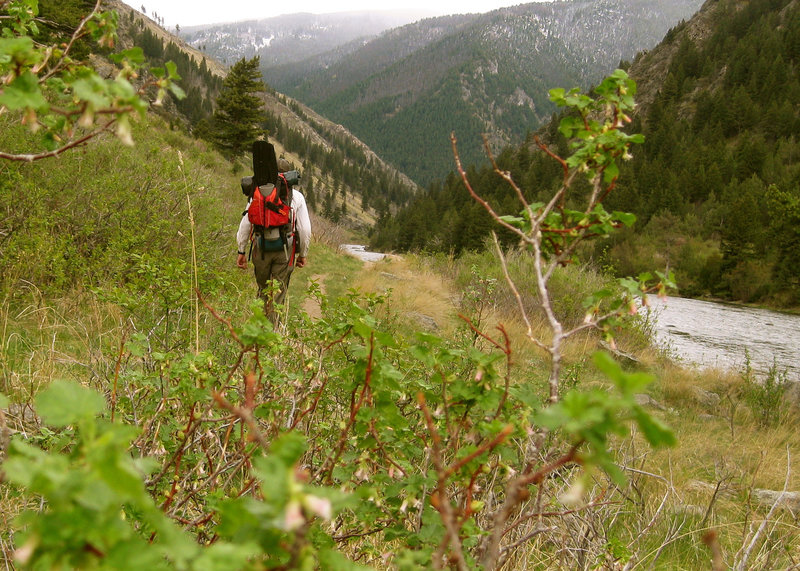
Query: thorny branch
point(516, 493)
point(330, 462)
point(245, 414)
point(439, 498)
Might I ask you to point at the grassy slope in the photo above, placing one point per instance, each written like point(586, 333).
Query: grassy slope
point(102, 246)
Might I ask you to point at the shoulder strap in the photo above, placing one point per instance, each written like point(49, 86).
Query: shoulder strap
point(285, 190)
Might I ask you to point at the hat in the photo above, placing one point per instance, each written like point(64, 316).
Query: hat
point(283, 165)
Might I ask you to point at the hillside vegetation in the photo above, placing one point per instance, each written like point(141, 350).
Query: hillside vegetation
point(405, 91)
point(715, 184)
point(98, 291)
point(342, 177)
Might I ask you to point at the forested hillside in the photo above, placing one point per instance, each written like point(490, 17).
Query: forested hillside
point(405, 91)
point(344, 180)
point(718, 182)
point(716, 186)
point(354, 62)
point(201, 77)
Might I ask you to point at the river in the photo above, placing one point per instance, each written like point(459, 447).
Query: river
point(712, 334)
point(361, 252)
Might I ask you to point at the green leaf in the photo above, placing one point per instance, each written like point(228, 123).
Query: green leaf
point(26, 464)
point(606, 364)
point(223, 555)
point(335, 561)
point(23, 93)
point(632, 286)
point(64, 403)
point(614, 472)
point(172, 71)
point(513, 220)
point(137, 345)
point(627, 383)
point(552, 417)
point(424, 354)
point(655, 431)
point(289, 447)
point(3, 401)
point(557, 95)
point(135, 554)
point(626, 218)
point(134, 55)
point(20, 50)
point(569, 125)
point(91, 91)
point(177, 91)
point(611, 172)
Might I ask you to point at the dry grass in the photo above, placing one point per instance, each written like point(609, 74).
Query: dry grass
point(419, 297)
point(708, 450)
point(718, 437)
point(327, 233)
point(705, 483)
point(420, 289)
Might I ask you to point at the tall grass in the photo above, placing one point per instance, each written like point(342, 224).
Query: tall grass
point(570, 286)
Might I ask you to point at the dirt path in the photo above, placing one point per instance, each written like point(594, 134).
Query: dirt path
point(310, 305)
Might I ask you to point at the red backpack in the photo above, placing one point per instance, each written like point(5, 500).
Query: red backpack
point(268, 209)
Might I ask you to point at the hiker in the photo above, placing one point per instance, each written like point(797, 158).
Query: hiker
point(275, 253)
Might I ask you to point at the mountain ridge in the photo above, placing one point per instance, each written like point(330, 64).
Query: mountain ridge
point(289, 38)
point(486, 73)
point(332, 159)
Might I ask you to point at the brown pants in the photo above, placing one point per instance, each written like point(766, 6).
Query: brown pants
point(267, 267)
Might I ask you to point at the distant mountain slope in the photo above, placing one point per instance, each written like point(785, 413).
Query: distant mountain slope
point(715, 185)
point(405, 91)
point(329, 73)
point(292, 37)
point(344, 180)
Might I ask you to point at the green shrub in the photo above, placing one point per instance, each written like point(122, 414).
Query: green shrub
point(766, 396)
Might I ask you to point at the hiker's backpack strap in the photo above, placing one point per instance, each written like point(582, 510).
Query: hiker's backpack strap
point(251, 239)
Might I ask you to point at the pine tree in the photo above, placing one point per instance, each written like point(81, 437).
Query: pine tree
point(240, 113)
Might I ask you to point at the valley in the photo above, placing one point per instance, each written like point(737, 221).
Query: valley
point(491, 398)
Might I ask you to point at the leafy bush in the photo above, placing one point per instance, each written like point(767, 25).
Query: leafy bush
point(52, 91)
point(405, 445)
point(765, 397)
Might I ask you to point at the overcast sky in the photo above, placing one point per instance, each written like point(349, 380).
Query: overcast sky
point(194, 12)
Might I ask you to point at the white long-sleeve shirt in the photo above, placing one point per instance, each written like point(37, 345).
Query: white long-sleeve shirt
point(302, 226)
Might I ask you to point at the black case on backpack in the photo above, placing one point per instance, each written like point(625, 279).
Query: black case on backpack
point(265, 163)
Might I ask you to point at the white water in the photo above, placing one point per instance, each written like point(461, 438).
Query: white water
point(717, 335)
point(361, 253)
